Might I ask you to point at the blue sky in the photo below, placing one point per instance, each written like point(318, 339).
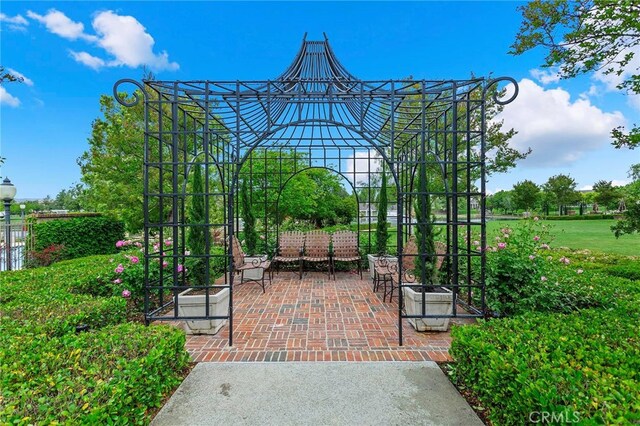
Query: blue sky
point(72, 52)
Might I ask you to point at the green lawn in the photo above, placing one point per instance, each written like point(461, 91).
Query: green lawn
point(583, 234)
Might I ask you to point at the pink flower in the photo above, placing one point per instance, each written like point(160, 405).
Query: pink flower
point(476, 243)
point(120, 244)
point(502, 245)
point(180, 268)
point(134, 259)
point(544, 246)
point(187, 253)
point(531, 257)
point(565, 260)
point(138, 244)
point(165, 263)
point(536, 218)
point(126, 294)
point(579, 271)
point(543, 278)
point(117, 281)
point(156, 246)
point(119, 268)
point(167, 242)
point(536, 238)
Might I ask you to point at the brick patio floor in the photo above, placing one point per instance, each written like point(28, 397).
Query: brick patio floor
point(317, 319)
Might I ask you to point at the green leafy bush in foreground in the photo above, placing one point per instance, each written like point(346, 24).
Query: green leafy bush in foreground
point(116, 373)
point(570, 347)
point(586, 362)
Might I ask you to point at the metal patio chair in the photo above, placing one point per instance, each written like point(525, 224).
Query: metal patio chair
point(289, 250)
point(316, 248)
point(345, 249)
point(240, 265)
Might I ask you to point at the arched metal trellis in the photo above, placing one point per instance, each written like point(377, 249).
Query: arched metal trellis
point(314, 115)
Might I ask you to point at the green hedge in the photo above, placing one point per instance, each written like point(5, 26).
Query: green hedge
point(581, 217)
point(116, 373)
point(586, 362)
point(82, 236)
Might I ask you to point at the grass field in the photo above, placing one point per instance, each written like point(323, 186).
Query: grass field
point(583, 234)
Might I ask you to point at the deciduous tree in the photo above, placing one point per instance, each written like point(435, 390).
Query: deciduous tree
point(585, 36)
point(525, 195)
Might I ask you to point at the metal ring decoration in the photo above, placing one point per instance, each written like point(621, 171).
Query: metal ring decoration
point(136, 96)
point(495, 81)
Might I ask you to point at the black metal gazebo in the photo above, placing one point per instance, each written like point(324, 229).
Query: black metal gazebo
point(314, 115)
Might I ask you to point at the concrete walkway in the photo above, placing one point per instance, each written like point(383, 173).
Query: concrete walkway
point(301, 393)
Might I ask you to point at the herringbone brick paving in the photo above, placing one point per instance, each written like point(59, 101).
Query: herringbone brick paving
point(317, 319)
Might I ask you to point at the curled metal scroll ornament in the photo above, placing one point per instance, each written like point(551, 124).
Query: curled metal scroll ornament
point(136, 95)
point(495, 82)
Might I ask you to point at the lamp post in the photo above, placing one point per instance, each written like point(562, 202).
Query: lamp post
point(7, 192)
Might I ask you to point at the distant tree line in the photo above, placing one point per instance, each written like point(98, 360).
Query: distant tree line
point(559, 193)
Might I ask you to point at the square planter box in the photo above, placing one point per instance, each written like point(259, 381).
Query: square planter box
point(372, 261)
point(254, 274)
point(440, 303)
point(193, 305)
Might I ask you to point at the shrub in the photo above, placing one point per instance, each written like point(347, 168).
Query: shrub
point(581, 217)
point(382, 226)
point(45, 257)
point(114, 376)
point(82, 236)
point(587, 362)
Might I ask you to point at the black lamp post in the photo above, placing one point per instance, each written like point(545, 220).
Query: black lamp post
point(7, 193)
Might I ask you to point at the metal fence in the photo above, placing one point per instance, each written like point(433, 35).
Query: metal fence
point(13, 242)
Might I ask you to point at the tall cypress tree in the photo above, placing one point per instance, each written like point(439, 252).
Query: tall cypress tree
point(382, 225)
point(196, 238)
point(250, 234)
point(425, 262)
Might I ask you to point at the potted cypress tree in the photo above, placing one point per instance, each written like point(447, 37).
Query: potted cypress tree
point(382, 229)
point(425, 290)
point(250, 238)
point(192, 302)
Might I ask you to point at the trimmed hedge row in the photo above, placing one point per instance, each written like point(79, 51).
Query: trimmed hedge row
point(586, 362)
point(579, 364)
point(116, 373)
point(82, 236)
point(581, 217)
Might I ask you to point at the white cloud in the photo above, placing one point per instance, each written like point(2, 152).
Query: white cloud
point(128, 41)
point(586, 188)
point(7, 99)
point(634, 101)
point(124, 38)
point(545, 76)
point(58, 23)
point(87, 59)
point(620, 182)
point(17, 23)
point(26, 80)
point(558, 130)
point(359, 163)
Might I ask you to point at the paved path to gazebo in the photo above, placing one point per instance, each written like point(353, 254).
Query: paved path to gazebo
point(317, 319)
point(311, 393)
